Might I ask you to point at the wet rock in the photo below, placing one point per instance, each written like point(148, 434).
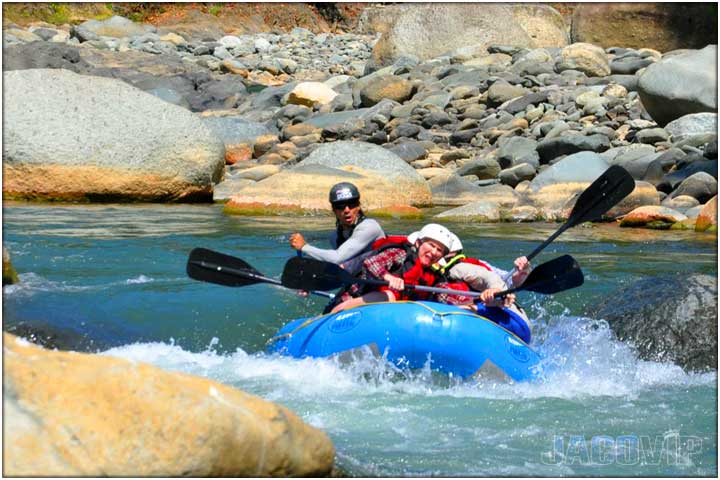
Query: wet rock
point(651, 216)
point(9, 275)
point(707, 219)
point(667, 318)
point(64, 411)
point(75, 137)
point(229, 187)
point(680, 84)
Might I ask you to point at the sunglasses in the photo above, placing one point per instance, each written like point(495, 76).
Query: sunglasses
point(341, 205)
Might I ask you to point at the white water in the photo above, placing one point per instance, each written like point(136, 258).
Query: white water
point(389, 422)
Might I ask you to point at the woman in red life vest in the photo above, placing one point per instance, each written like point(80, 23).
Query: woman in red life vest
point(401, 264)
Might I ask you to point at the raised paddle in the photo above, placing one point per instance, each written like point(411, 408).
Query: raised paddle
point(554, 276)
point(215, 267)
point(603, 194)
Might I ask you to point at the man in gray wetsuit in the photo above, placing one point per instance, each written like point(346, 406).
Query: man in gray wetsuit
point(354, 233)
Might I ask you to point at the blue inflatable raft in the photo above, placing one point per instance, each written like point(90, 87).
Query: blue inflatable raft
point(410, 334)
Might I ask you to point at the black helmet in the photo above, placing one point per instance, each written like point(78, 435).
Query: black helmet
point(344, 191)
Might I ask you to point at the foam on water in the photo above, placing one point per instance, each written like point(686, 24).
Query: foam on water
point(583, 360)
point(31, 283)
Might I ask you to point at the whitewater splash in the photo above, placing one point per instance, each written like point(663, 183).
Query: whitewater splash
point(582, 359)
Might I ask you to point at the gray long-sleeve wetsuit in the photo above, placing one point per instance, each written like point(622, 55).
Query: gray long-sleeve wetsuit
point(360, 241)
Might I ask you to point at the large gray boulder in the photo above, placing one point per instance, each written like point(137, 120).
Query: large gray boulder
point(117, 27)
point(429, 30)
point(165, 76)
point(77, 137)
point(693, 125)
point(383, 178)
point(669, 318)
point(680, 84)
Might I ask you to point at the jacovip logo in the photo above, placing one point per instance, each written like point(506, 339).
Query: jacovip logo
point(670, 448)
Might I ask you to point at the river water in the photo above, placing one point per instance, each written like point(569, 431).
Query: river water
point(111, 279)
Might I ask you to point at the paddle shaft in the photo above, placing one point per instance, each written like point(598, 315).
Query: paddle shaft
point(424, 288)
point(254, 276)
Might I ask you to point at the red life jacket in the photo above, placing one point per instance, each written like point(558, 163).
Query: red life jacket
point(411, 271)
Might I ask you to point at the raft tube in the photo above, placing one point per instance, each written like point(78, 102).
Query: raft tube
point(454, 340)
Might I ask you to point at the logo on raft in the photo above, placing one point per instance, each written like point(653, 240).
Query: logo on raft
point(517, 349)
point(345, 322)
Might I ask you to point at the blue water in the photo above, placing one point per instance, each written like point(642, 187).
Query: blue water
point(111, 279)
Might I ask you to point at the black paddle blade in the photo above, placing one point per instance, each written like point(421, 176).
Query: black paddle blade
point(214, 267)
point(557, 275)
point(603, 194)
point(310, 274)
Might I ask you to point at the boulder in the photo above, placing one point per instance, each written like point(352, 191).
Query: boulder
point(661, 26)
point(309, 93)
point(230, 187)
point(701, 186)
point(500, 92)
point(484, 167)
point(9, 275)
point(515, 151)
point(680, 84)
point(117, 27)
point(480, 211)
point(543, 24)
point(429, 30)
point(67, 414)
point(707, 219)
point(409, 150)
point(554, 190)
point(691, 125)
point(586, 58)
point(514, 175)
point(165, 76)
point(383, 87)
point(453, 190)
point(644, 194)
point(76, 137)
point(383, 178)
point(667, 318)
point(551, 148)
point(671, 180)
point(652, 216)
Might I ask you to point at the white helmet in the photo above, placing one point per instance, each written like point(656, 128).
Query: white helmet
point(435, 232)
point(457, 245)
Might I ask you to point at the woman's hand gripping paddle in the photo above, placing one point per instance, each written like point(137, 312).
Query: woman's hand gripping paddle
point(214, 267)
point(554, 276)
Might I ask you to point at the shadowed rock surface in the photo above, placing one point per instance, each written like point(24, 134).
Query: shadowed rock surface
point(669, 318)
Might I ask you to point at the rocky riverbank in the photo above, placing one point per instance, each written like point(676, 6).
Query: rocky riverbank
point(507, 127)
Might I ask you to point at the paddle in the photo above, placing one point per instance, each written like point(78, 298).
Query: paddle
point(603, 194)
point(554, 276)
point(214, 267)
